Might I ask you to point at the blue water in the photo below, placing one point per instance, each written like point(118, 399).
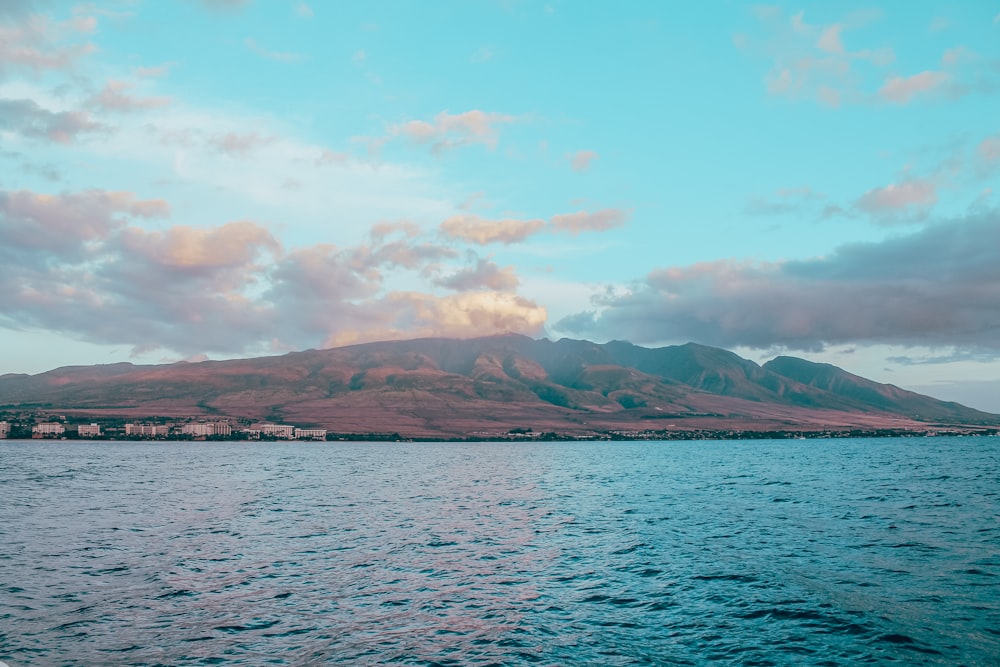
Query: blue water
point(825, 552)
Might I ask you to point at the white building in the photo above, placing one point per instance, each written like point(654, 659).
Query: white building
point(4, 429)
point(48, 429)
point(282, 431)
point(207, 429)
point(310, 434)
point(89, 430)
point(147, 430)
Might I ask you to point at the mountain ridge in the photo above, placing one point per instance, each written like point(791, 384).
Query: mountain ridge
point(453, 387)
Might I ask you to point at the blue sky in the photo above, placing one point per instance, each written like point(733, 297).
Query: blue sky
point(217, 178)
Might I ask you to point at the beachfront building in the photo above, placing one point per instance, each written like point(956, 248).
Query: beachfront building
point(89, 430)
point(4, 430)
point(310, 434)
point(147, 430)
point(47, 430)
point(207, 429)
point(280, 431)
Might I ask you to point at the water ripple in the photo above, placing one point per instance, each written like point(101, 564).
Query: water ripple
point(740, 553)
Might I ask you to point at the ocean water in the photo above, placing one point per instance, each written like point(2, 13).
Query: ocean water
point(819, 552)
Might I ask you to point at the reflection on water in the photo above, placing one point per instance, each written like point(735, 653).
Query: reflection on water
point(816, 552)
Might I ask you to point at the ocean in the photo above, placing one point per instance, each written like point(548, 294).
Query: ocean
point(790, 552)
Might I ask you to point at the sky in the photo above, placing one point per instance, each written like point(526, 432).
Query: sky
point(209, 179)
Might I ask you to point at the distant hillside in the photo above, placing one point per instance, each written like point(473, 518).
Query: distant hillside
point(456, 387)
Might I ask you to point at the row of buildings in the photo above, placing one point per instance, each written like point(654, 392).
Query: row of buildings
point(150, 431)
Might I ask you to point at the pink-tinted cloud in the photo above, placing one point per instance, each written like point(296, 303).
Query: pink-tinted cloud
point(381, 230)
point(114, 97)
point(37, 44)
point(580, 160)
point(30, 120)
point(810, 61)
point(829, 39)
point(584, 221)
point(897, 200)
point(902, 90)
point(483, 275)
point(448, 131)
point(193, 249)
point(402, 254)
point(60, 223)
point(402, 315)
point(475, 229)
point(988, 153)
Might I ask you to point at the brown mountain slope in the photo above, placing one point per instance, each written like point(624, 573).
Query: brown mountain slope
point(456, 387)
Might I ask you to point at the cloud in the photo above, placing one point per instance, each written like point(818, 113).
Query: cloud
point(901, 90)
point(380, 230)
point(583, 221)
point(191, 249)
point(31, 120)
point(580, 160)
point(812, 61)
point(483, 54)
point(937, 287)
point(224, 5)
point(449, 131)
point(36, 43)
point(784, 201)
point(304, 11)
point(278, 56)
point(988, 153)
point(939, 23)
point(19, 8)
point(39, 222)
point(402, 315)
point(483, 275)
point(114, 97)
point(237, 144)
point(83, 264)
point(899, 202)
point(403, 254)
point(154, 71)
point(475, 229)
point(829, 39)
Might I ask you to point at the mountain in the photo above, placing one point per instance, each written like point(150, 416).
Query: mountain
point(446, 387)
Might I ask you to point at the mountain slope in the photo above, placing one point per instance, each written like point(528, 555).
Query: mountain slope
point(442, 386)
point(864, 392)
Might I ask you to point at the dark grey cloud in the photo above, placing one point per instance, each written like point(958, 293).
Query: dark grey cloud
point(936, 287)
